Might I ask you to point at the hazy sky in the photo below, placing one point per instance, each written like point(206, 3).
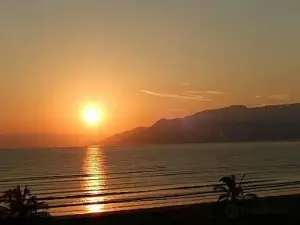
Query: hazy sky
point(142, 60)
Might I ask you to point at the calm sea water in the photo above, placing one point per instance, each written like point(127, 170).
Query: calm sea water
point(94, 179)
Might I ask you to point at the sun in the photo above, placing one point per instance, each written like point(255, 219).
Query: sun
point(92, 115)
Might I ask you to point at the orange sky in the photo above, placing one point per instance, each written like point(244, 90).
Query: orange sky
point(142, 61)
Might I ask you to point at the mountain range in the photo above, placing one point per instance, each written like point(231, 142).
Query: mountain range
point(233, 123)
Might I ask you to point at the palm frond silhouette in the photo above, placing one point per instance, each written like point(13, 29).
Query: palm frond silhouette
point(20, 203)
point(231, 190)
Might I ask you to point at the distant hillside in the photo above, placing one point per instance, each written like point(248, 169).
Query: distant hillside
point(234, 123)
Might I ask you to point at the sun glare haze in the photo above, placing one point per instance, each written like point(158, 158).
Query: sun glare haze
point(92, 115)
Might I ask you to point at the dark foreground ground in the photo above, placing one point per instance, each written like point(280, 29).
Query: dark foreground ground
point(269, 210)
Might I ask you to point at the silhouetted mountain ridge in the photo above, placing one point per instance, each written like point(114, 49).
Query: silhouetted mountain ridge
point(233, 123)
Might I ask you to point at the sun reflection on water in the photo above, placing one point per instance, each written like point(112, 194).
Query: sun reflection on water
point(94, 183)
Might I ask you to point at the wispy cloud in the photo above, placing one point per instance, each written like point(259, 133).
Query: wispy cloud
point(207, 92)
point(177, 96)
point(185, 84)
point(280, 97)
point(176, 110)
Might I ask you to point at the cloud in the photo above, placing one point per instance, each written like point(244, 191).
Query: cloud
point(280, 97)
point(177, 96)
point(176, 110)
point(207, 92)
point(277, 97)
point(185, 84)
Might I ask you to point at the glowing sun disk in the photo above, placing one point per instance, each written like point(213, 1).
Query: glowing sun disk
point(92, 115)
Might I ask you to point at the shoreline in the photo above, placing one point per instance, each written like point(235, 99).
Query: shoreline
point(283, 209)
point(152, 144)
point(196, 143)
point(198, 213)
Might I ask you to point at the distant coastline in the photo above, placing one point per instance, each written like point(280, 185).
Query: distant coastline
point(225, 125)
point(195, 143)
point(139, 145)
point(234, 124)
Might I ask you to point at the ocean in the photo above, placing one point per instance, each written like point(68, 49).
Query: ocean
point(100, 179)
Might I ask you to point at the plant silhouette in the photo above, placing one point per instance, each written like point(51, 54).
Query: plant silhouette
point(21, 204)
point(231, 191)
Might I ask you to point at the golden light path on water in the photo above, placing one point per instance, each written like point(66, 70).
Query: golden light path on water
point(94, 183)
